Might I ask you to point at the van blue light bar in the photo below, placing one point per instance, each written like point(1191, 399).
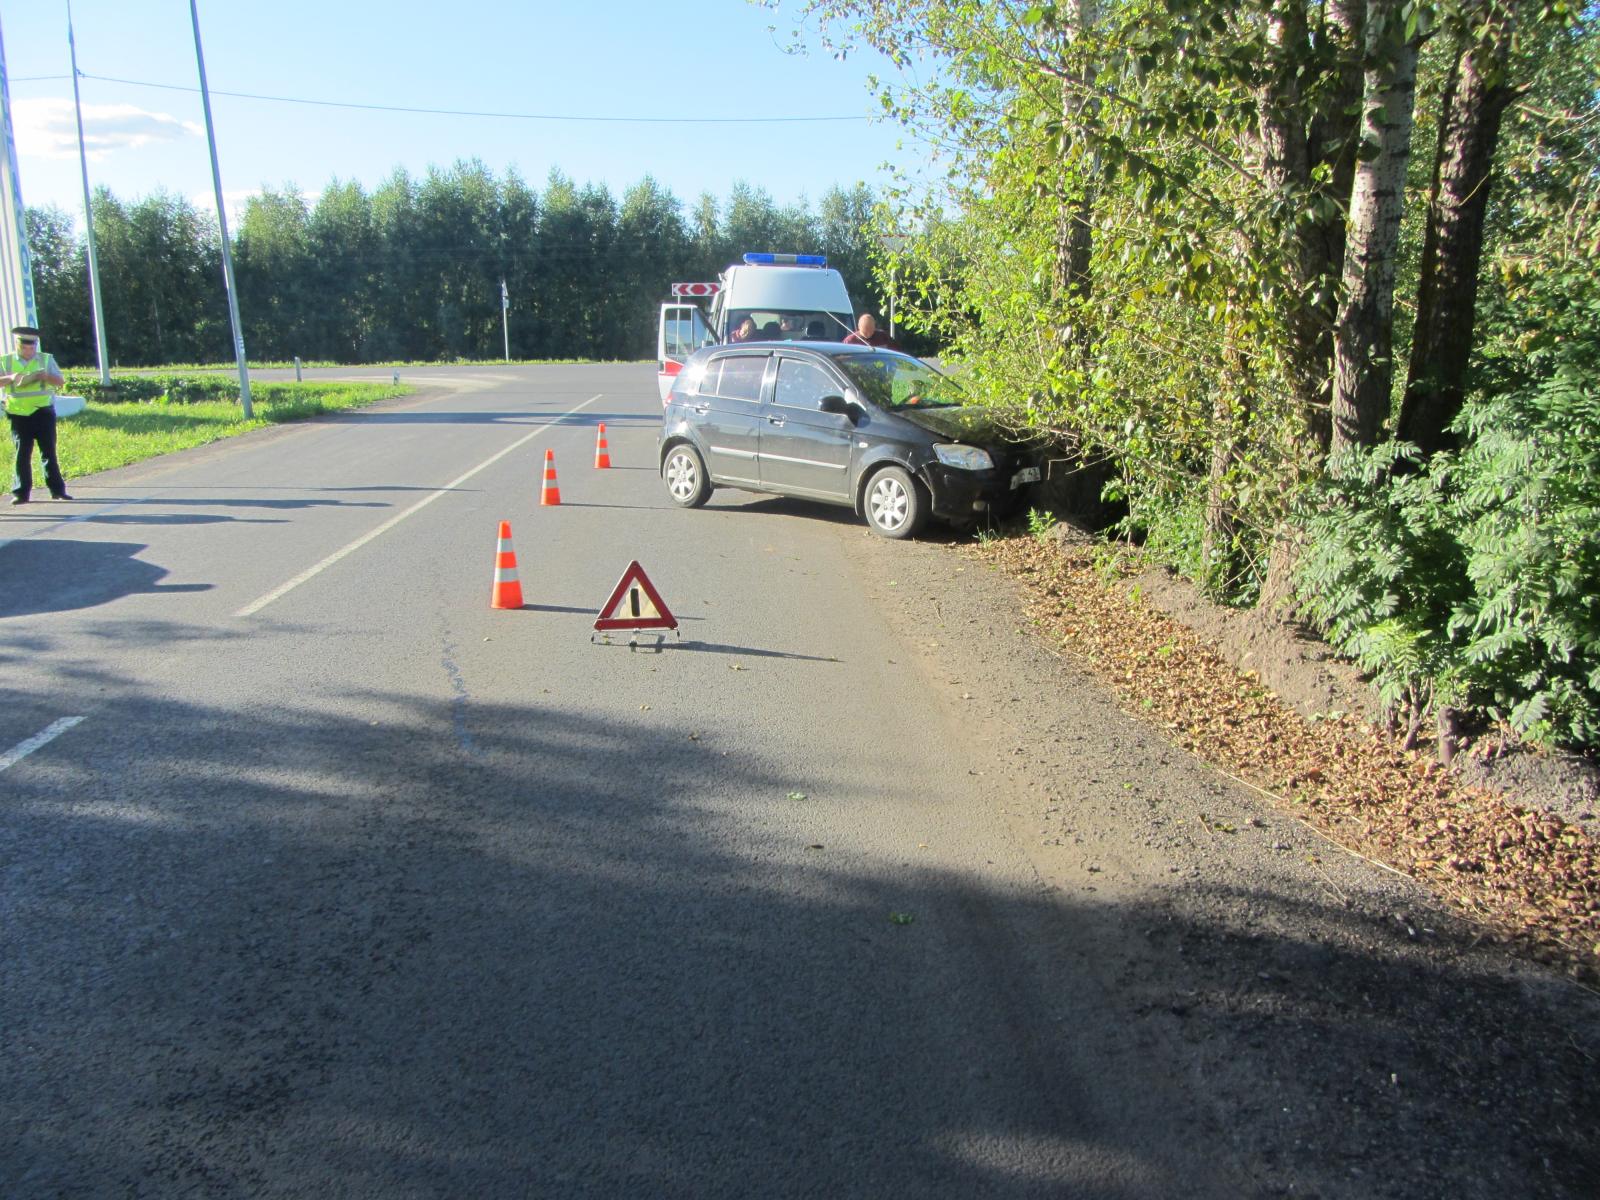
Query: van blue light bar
point(786, 260)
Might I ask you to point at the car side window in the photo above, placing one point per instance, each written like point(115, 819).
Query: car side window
point(709, 378)
point(803, 384)
point(739, 378)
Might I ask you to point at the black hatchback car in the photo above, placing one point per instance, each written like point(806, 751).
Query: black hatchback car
point(879, 431)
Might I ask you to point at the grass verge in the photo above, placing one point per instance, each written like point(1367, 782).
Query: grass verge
point(104, 436)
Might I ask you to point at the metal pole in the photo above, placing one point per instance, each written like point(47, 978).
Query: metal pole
point(297, 368)
point(222, 223)
point(17, 298)
point(505, 317)
point(893, 271)
point(88, 217)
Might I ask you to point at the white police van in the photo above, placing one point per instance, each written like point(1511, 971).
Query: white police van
point(767, 297)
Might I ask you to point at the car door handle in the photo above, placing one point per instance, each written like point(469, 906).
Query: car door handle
point(701, 409)
point(778, 421)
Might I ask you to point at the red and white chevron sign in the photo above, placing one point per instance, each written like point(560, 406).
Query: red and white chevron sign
point(696, 289)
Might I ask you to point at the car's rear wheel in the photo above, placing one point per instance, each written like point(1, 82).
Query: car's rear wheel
point(684, 473)
point(895, 505)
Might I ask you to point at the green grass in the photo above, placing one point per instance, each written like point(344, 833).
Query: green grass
point(104, 436)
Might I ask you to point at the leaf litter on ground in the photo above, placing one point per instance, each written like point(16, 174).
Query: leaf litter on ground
point(1529, 878)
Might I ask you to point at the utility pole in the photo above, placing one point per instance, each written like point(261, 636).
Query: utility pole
point(505, 317)
point(88, 217)
point(222, 222)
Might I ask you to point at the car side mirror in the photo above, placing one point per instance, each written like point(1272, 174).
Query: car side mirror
point(834, 404)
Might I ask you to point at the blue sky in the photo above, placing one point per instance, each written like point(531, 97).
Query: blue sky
point(625, 58)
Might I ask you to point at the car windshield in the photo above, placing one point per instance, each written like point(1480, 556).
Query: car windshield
point(897, 381)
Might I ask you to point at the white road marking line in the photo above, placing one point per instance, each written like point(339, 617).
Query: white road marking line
point(22, 749)
point(278, 593)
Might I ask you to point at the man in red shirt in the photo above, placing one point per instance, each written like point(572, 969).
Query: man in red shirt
point(868, 334)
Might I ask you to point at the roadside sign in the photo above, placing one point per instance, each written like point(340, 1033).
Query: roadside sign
point(696, 289)
point(635, 604)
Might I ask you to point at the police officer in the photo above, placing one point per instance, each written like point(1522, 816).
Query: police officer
point(30, 378)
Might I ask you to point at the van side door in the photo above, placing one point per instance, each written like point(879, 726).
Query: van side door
point(682, 330)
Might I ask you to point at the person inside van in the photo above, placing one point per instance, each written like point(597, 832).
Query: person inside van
point(745, 331)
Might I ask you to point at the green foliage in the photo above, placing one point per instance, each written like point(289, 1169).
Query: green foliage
point(1383, 573)
point(1475, 580)
point(411, 270)
point(1529, 512)
point(158, 388)
point(1041, 523)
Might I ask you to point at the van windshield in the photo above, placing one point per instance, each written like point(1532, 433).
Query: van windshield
point(786, 325)
point(899, 381)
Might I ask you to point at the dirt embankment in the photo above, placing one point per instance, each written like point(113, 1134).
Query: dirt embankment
point(1507, 839)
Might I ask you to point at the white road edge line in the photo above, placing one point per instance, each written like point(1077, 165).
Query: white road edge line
point(278, 593)
point(22, 749)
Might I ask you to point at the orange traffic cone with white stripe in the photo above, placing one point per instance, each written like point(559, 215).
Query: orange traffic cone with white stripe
point(551, 494)
point(602, 452)
point(507, 587)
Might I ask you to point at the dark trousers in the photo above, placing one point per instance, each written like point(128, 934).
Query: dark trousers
point(36, 428)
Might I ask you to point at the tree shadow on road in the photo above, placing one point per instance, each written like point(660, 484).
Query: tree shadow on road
point(59, 575)
point(577, 956)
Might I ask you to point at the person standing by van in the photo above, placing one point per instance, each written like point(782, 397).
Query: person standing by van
point(30, 378)
point(867, 333)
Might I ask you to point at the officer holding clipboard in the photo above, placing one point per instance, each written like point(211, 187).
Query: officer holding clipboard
point(30, 378)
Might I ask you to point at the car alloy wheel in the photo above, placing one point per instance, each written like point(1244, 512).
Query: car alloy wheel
point(894, 504)
point(685, 476)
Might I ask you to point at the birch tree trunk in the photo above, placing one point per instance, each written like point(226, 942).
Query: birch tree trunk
point(1363, 367)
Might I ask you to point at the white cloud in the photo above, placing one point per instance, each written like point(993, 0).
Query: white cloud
point(46, 128)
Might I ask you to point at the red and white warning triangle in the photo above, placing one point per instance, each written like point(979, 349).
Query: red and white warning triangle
point(635, 604)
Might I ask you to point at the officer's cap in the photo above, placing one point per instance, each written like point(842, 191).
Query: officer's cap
point(24, 331)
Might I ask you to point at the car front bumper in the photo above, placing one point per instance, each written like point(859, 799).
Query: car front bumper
point(962, 495)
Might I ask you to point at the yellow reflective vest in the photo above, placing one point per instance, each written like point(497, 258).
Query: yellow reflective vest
point(25, 398)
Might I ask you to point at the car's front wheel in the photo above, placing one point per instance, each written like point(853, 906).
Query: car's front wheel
point(684, 473)
point(895, 504)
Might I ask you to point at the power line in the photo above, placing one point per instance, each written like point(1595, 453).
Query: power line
point(456, 112)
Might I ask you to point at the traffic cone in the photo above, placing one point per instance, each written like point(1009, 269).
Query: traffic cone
point(602, 452)
point(507, 587)
point(551, 493)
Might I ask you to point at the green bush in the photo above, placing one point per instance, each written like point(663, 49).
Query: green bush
point(1383, 573)
point(166, 388)
point(1474, 579)
point(1528, 503)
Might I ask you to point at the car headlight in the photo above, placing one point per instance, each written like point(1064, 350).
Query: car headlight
point(968, 458)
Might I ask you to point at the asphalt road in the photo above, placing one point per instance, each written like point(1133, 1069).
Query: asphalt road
point(331, 880)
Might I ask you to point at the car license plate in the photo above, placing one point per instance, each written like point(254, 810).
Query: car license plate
point(1026, 475)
